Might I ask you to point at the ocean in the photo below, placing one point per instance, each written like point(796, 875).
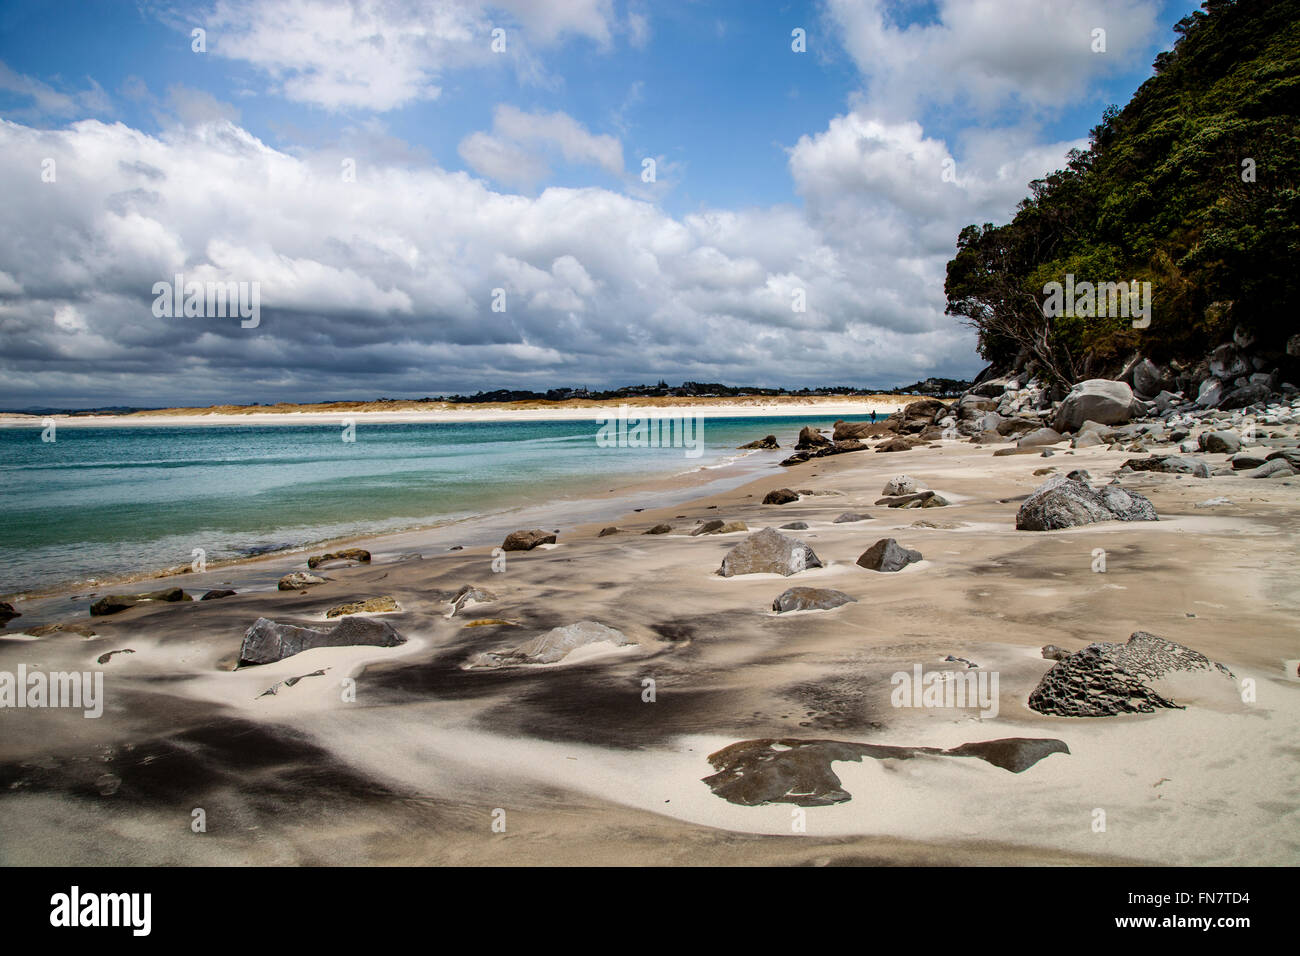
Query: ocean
point(104, 502)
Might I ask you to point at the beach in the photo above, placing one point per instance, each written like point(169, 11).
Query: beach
point(411, 755)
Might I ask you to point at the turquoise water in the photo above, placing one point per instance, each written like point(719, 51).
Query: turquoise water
point(104, 502)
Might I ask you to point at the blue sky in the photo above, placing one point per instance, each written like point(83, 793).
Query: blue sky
point(776, 171)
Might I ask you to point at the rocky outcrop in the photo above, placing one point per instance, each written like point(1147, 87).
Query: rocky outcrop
point(769, 552)
point(527, 540)
point(810, 438)
point(780, 496)
point(113, 603)
point(1063, 502)
point(838, 447)
point(810, 599)
point(1168, 464)
point(553, 646)
point(846, 430)
point(298, 580)
point(1106, 679)
point(768, 442)
point(887, 555)
point(849, 517)
point(267, 641)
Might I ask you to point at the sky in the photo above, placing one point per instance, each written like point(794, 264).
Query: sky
point(448, 196)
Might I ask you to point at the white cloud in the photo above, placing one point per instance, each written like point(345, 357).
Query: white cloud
point(514, 153)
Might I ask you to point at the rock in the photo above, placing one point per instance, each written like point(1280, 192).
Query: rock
point(769, 552)
point(1220, 443)
point(1227, 363)
point(917, 415)
point(606, 532)
point(1210, 393)
point(113, 603)
point(1106, 679)
point(795, 526)
point(1016, 427)
point(895, 444)
point(1098, 400)
point(1148, 379)
point(1254, 393)
point(379, 605)
point(847, 430)
point(467, 595)
point(810, 438)
point(527, 540)
point(1063, 502)
point(731, 527)
point(553, 646)
point(64, 627)
point(1168, 464)
point(768, 442)
point(108, 656)
point(1277, 467)
point(1213, 502)
point(834, 448)
point(7, 613)
point(347, 554)
point(887, 555)
point(1087, 440)
point(1053, 653)
point(851, 516)
point(659, 529)
point(781, 496)
point(1040, 436)
point(217, 594)
point(921, 499)
point(900, 485)
point(266, 641)
point(1293, 346)
point(1079, 474)
point(810, 599)
point(297, 580)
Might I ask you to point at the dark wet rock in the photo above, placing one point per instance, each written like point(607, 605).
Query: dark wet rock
point(850, 430)
point(1273, 468)
point(887, 555)
point(1062, 502)
point(297, 580)
point(810, 599)
point(1053, 653)
point(113, 603)
point(839, 447)
point(920, 499)
point(1169, 464)
point(960, 660)
point(810, 438)
point(780, 496)
point(1079, 474)
point(1098, 400)
point(378, 605)
point(709, 527)
point(659, 529)
point(555, 645)
point(527, 540)
point(267, 641)
point(769, 552)
point(1105, 679)
point(795, 526)
point(108, 656)
point(790, 770)
point(359, 555)
point(895, 444)
point(768, 442)
point(606, 532)
point(7, 613)
point(1252, 393)
point(1244, 460)
point(217, 593)
point(851, 516)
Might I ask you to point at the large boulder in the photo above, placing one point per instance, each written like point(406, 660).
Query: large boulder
point(918, 415)
point(900, 485)
point(780, 496)
point(1220, 443)
point(1148, 379)
point(1210, 393)
point(113, 603)
point(1254, 393)
point(846, 430)
point(527, 540)
point(267, 641)
point(1063, 502)
point(555, 645)
point(769, 552)
point(810, 599)
point(1139, 676)
point(887, 555)
point(810, 438)
point(1097, 400)
point(1040, 436)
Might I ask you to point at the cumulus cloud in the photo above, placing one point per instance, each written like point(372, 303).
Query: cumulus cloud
point(383, 54)
point(514, 153)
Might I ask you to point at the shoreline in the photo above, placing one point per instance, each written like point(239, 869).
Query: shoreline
point(441, 412)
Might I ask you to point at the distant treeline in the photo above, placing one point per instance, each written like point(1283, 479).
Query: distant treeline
point(931, 386)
